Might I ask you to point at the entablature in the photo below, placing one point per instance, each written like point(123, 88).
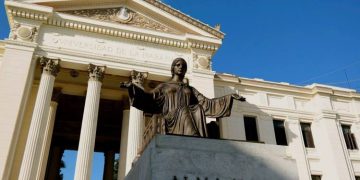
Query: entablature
point(156, 33)
point(315, 89)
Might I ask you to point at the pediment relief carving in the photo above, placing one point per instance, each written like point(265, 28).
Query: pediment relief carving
point(123, 15)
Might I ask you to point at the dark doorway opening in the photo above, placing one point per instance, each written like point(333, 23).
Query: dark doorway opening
point(67, 128)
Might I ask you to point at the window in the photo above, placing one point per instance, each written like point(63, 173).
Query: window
point(250, 129)
point(357, 177)
point(307, 135)
point(349, 137)
point(280, 134)
point(315, 177)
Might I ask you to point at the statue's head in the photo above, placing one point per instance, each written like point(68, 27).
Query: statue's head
point(178, 62)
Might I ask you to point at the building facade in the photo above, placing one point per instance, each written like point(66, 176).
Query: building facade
point(60, 71)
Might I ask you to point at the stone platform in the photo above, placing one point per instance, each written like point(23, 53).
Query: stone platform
point(188, 158)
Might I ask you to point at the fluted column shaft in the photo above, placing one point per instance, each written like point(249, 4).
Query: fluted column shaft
point(132, 130)
point(48, 135)
point(89, 124)
point(31, 158)
point(136, 131)
point(122, 169)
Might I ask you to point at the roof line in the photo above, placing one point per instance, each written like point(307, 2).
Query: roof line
point(186, 18)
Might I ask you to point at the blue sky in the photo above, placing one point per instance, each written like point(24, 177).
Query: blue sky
point(297, 41)
point(300, 42)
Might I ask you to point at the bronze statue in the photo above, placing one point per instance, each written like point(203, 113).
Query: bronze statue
point(181, 106)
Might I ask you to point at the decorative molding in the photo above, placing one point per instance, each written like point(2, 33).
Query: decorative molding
point(122, 15)
point(28, 14)
point(186, 18)
point(138, 78)
point(96, 72)
point(23, 32)
point(202, 62)
point(131, 35)
point(82, 26)
point(48, 65)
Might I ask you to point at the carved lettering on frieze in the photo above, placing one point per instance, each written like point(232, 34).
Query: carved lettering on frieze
point(123, 15)
point(23, 32)
point(110, 49)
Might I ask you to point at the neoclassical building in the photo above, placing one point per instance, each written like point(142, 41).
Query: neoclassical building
point(60, 70)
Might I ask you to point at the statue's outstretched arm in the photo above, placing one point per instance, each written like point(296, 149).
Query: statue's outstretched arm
point(217, 107)
point(142, 99)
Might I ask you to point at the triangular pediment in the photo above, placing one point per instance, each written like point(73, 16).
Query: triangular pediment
point(123, 15)
point(148, 14)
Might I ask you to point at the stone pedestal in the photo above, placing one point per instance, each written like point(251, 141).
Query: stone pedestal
point(178, 157)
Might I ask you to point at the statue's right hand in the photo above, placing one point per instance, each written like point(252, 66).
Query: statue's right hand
point(125, 84)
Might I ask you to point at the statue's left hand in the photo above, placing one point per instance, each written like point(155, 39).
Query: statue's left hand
point(238, 97)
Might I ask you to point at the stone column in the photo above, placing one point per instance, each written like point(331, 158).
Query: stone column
point(31, 159)
point(137, 123)
point(132, 130)
point(136, 131)
point(48, 134)
point(16, 79)
point(123, 169)
point(89, 123)
point(109, 165)
point(297, 148)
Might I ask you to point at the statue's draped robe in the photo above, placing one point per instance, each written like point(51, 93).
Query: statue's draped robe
point(181, 106)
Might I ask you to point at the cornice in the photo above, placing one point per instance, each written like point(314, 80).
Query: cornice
point(111, 31)
point(186, 18)
point(21, 45)
point(327, 114)
point(27, 11)
point(245, 82)
point(48, 17)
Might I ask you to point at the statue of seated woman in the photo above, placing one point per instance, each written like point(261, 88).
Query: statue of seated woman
point(183, 108)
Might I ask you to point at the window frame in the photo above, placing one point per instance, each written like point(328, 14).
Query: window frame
point(351, 142)
point(256, 126)
point(285, 134)
point(306, 141)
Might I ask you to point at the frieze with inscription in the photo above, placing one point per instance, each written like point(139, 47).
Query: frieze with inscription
point(101, 47)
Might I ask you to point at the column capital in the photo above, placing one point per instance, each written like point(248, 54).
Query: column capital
point(96, 72)
point(138, 78)
point(48, 65)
